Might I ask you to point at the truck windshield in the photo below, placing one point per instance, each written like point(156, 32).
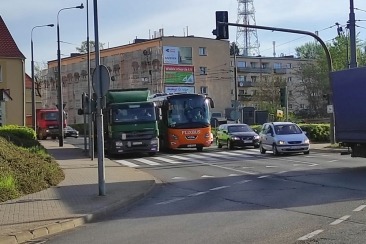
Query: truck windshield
point(50, 116)
point(188, 111)
point(134, 114)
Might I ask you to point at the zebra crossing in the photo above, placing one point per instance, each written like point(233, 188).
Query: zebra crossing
point(187, 158)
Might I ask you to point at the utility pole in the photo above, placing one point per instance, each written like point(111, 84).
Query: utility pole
point(352, 35)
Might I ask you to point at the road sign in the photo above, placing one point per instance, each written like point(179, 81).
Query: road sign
point(330, 109)
point(235, 115)
point(101, 88)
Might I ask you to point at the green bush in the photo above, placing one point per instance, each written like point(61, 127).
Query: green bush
point(19, 131)
point(25, 170)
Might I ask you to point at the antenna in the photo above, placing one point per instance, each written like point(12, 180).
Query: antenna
point(246, 15)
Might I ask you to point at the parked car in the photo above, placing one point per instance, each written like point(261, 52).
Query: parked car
point(236, 135)
point(70, 132)
point(283, 137)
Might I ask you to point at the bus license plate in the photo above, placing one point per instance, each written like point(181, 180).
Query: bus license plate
point(137, 143)
point(191, 145)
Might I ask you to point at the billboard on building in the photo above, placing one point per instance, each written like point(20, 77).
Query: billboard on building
point(179, 89)
point(177, 55)
point(178, 74)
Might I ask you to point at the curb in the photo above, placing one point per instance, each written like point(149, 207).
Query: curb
point(64, 225)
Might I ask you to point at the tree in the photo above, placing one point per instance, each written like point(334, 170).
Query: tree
point(39, 77)
point(84, 45)
point(233, 47)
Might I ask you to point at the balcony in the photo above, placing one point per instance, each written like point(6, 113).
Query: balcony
point(245, 97)
point(279, 71)
point(254, 70)
point(245, 84)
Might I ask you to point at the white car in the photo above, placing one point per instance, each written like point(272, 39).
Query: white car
point(283, 137)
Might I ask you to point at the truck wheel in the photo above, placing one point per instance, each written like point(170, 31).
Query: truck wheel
point(53, 137)
point(151, 154)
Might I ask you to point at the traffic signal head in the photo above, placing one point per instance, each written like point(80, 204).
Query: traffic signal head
point(222, 30)
point(283, 96)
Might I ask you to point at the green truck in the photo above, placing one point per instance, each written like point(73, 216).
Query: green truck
point(130, 122)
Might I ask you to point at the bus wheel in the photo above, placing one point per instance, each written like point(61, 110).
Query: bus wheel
point(199, 148)
point(151, 154)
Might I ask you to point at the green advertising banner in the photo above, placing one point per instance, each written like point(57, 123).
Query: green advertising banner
point(174, 74)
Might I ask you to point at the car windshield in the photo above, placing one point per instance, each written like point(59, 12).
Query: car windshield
point(239, 128)
point(287, 129)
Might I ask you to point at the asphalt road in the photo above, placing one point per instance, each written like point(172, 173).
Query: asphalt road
point(240, 196)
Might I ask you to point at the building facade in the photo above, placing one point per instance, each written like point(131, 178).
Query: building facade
point(163, 65)
point(259, 79)
point(12, 79)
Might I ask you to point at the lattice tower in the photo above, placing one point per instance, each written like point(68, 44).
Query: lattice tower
point(247, 38)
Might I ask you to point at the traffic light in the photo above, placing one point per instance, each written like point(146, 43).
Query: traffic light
point(283, 96)
point(222, 30)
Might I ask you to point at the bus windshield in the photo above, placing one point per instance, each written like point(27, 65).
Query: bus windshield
point(194, 111)
point(134, 113)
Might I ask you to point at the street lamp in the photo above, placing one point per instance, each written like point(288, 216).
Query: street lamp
point(59, 90)
point(34, 125)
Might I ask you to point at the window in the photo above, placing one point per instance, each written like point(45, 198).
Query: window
point(289, 79)
point(1, 74)
point(290, 106)
point(204, 90)
point(253, 64)
point(241, 78)
point(254, 79)
point(202, 51)
point(203, 70)
point(302, 106)
point(277, 66)
point(289, 65)
point(241, 64)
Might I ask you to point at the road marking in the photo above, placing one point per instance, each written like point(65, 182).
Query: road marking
point(271, 166)
point(178, 178)
point(207, 176)
point(332, 161)
point(128, 164)
point(233, 175)
point(197, 156)
point(197, 193)
point(170, 201)
point(218, 188)
point(242, 182)
point(167, 160)
point(216, 155)
point(340, 220)
point(359, 208)
point(263, 176)
point(146, 161)
point(281, 172)
point(182, 158)
point(310, 235)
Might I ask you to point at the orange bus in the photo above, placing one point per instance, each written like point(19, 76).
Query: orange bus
point(184, 120)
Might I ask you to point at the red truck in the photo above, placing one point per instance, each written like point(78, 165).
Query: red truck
point(47, 123)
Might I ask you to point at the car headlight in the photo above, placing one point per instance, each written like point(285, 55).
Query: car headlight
point(235, 138)
point(119, 144)
point(256, 137)
point(306, 141)
point(280, 142)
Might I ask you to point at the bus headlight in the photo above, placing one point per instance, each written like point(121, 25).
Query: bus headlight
point(174, 137)
point(208, 135)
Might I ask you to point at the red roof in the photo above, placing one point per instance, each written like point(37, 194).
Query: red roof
point(8, 47)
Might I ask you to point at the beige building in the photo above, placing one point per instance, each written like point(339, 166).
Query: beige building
point(12, 79)
point(166, 64)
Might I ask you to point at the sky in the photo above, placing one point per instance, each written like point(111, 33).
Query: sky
point(121, 21)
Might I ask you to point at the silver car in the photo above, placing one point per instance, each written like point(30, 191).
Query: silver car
point(283, 137)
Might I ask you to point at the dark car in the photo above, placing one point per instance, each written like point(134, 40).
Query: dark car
point(70, 132)
point(236, 135)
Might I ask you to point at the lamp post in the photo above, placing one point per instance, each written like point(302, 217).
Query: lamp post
point(34, 125)
point(59, 90)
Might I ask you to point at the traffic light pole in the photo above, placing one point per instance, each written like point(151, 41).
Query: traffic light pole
point(327, 53)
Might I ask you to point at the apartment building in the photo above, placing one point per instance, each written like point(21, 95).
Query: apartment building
point(165, 64)
point(258, 75)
